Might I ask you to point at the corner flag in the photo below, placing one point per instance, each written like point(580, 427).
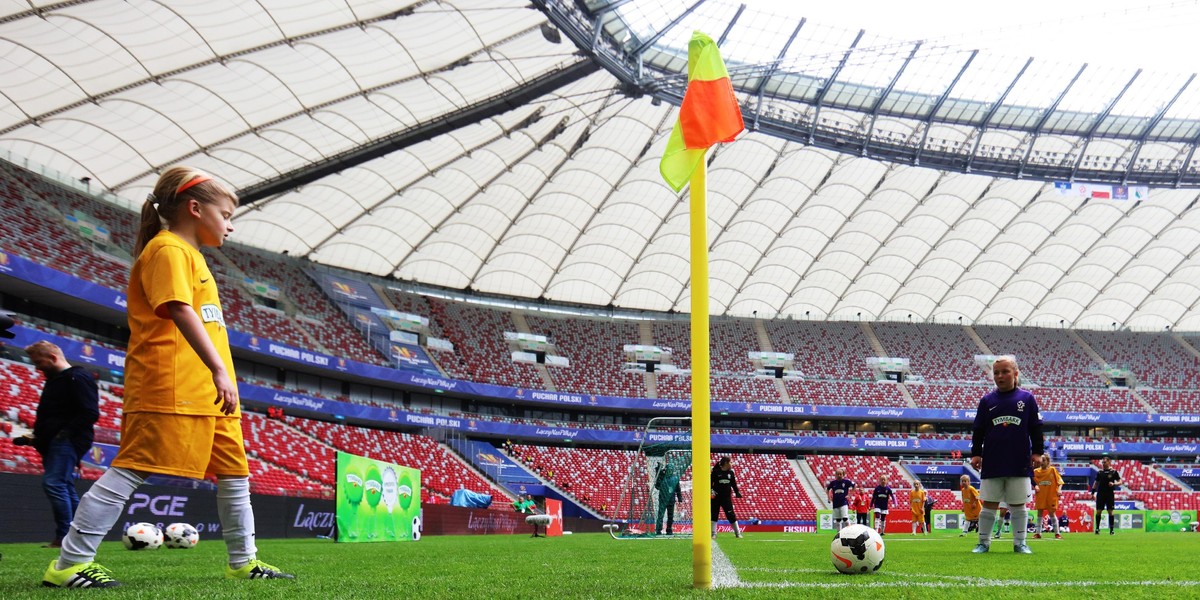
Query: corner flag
point(709, 114)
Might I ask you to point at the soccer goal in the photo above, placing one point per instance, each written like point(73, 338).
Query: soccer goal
point(661, 471)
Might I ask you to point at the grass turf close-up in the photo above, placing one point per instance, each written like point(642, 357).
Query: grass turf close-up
point(762, 565)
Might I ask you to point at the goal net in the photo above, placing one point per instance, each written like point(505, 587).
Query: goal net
point(656, 498)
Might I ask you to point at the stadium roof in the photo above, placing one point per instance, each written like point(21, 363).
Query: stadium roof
point(512, 149)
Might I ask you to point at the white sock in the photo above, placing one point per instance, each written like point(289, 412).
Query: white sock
point(96, 514)
point(1054, 519)
point(237, 519)
point(987, 520)
point(1020, 524)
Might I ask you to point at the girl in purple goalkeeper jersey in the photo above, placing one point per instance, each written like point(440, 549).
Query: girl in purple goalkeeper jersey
point(1006, 445)
point(881, 498)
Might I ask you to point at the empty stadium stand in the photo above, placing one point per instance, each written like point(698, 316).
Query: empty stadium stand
point(595, 350)
point(480, 351)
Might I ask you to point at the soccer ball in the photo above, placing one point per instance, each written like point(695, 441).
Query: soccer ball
point(857, 549)
point(142, 536)
point(181, 535)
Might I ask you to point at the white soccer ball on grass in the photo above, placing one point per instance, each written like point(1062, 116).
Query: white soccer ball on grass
point(857, 549)
point(142, 536)
point(181, 535)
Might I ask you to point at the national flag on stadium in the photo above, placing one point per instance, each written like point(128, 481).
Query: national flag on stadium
point(1096, 193)
point(709, 114)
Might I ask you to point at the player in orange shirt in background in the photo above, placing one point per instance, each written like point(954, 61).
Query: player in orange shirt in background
point(971, 505)
point(916, 502)
point(1047, 483)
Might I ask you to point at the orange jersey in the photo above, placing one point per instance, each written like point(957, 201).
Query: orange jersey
point(163, 374)
point(1047, 483)
point(916, 501)
point(971, 503)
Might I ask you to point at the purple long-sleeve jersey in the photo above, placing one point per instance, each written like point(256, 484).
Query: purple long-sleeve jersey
point(1008, 430)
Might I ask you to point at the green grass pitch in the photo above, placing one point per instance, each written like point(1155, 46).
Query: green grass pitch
point(764, 565)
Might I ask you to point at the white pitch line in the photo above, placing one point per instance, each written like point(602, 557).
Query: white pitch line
point(724, 574)
point(949, 581)
point(859, 584)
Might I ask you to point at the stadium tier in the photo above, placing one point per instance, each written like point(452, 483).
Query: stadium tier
point(844, 393)
point(318, 315)
point(678, 337)
point(480, 353)
point(824, 350)
point(595, 477)
point(35, 228)
point(1045, 356)
point(1158, 360)
point(268, 323)
point(743, 389)
point(963, 397)
point(595, 350)
point(1137, 477)
point(267, 478)
point(936, 352)
point(442, 471)
point(1087, 399)
point(945, 499)
point(1172, 401)
point(274, 442)
point(413, 304)
point(864, 471)
point(770, 489)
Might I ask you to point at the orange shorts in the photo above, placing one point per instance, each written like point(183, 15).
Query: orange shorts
point(182, 445)
point(1047, 503)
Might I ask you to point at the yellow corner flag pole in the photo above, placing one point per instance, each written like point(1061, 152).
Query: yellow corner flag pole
point(701, 444)
point(708, 115)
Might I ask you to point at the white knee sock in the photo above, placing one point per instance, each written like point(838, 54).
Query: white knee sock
point(1020, 524)
point(1054, 519)
point(237, 519)
point(98, 511)
point(987, 520)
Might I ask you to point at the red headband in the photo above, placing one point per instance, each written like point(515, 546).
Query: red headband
point(194, 181)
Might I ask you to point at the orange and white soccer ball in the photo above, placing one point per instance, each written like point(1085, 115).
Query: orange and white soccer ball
point(857, 549)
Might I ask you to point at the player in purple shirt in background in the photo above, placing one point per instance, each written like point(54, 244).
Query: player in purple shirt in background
point(881, 498)
point(1006, 444)
point(838, 492)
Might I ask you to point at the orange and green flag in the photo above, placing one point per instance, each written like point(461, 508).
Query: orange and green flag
point(709, 113)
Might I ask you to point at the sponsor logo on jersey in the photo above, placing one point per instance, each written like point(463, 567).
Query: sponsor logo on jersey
point(1006, 420)
point(211, 313)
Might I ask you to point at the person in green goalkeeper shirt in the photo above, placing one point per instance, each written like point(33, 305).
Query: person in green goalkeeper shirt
point(666, 481)
point(525, 505)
